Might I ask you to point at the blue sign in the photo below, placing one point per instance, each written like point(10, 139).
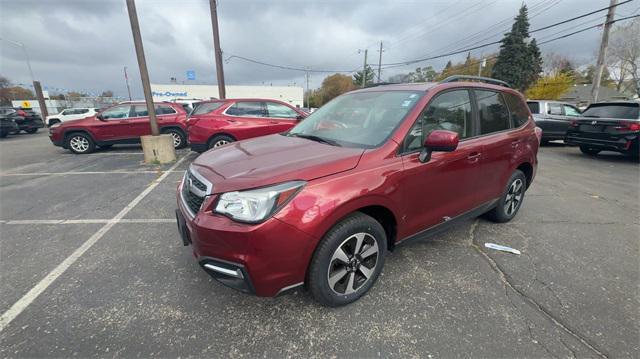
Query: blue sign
point(191, 75)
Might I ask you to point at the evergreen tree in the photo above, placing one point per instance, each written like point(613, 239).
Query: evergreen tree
point(518, 63)
point(357, 77)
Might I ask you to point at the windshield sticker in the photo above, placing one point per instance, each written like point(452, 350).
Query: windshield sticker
point(406, 103)
point(413, 95)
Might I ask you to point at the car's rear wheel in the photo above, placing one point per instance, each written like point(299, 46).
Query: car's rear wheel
point(31, 130)
point(591, 151)
point(80, 143)
point(179, 139)
point(219, 140)
point(347, 261)
point(511, 201)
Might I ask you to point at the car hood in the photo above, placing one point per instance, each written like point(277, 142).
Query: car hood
point(272, 159)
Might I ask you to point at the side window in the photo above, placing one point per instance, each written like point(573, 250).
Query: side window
point(206, 107)
point(247, 109)
point(165, 110)
point(140, 111)
point(67, 112)
point(449, 111)
point(280, 111)
point(534, 107)
point(81, 111)
point(117, 112)
point(494, 113)
point(554, 109)
point(571, 111)
point(519, 113)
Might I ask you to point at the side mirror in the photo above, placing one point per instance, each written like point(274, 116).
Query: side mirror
point(438, 141)
point(100, 117)
point(300, 117)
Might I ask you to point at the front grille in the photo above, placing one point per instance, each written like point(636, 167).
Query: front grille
point(192, 199)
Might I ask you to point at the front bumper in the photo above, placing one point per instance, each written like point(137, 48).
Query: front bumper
point(264, 259)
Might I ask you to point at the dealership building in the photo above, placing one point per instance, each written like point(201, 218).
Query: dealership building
point(167, 92)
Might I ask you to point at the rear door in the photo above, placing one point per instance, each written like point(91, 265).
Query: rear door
point(556, 120)
point(114, 125)
point(281, 117)
point(248, 119)
point(500, 143)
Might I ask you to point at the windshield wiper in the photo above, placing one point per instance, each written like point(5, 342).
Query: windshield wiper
point(315, 138)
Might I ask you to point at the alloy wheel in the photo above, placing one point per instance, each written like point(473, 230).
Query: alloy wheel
point(79, 144)
point(353, 263)
point(177, 139)
point(514, 197)
point(220, 143)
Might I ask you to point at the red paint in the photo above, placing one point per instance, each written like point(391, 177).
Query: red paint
point(340, 180)
point(115, 130)
point(202, 128)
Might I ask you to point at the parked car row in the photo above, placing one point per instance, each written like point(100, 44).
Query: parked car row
point(210, 124)
point(612, 126)
point(321, 204)
point(14, 120)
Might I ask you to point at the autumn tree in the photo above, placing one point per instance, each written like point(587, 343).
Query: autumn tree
point(550, 87)
point(107, 93)
point(10, 93)
point(333, 86)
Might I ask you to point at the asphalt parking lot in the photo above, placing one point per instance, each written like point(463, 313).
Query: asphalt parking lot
point(92, 265)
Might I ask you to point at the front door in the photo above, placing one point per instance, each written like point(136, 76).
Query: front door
point(114, 125)
point(444, 187)
point(281, 117)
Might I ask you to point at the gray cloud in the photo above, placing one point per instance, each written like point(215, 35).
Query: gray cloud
point(84, 45)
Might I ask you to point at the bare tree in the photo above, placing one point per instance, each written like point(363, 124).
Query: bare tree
point(624, 56)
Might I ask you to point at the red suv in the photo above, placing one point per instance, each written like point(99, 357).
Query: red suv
point(216, 123)
point(120, 124)
point(322, 204)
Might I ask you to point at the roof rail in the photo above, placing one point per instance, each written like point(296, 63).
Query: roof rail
point(456, 78)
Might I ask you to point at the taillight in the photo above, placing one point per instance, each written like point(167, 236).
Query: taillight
point(21, 113)
point(574, 123)
point(632, 126)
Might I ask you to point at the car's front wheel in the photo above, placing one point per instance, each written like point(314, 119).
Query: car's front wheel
point(31, 130)
point(511, 201)
point(347, 261)
point(80, 143)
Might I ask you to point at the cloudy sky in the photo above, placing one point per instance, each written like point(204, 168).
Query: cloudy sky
point(85, 44)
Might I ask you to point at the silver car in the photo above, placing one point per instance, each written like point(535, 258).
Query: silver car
point(553, 117)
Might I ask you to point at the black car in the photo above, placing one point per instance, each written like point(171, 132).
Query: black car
point(7, 126)
point(26, 119)
point(611, 126)
point(552, 117)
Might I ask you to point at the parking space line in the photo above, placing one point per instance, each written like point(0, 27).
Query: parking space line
point(83, 173)
point(88, 221)
point(19, 306)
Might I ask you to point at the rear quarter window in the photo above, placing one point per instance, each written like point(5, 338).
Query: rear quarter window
point(519, 112)
point(204, 108)
point(494, 113)
point(534, 107)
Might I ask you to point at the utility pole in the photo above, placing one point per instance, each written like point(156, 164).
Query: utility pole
point(597, 77)
point(142, 63)
point(380, 61)
point(306, 75)
point(364, 69)
point(126, 79)
point(218, 51)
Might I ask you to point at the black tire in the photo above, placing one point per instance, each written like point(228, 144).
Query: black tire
point(351, 281)
point(80, 143)
point(4, 134)
point(591, 151)
point(509, 204)
point(179, 138)
point(31, 130)
point(219, 140)
point(53, 121)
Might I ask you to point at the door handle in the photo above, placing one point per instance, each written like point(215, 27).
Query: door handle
point(515, 143)
point(124, 121)
point(273, 121)
point(474, 156)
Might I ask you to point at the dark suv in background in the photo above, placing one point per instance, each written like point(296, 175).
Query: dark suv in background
point(321, 204)
point(120, 124)
point(607, 126)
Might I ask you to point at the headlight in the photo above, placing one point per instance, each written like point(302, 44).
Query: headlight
point(256, 205)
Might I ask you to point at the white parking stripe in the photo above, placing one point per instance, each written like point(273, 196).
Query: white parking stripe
point(87, 221)
point(19, 306)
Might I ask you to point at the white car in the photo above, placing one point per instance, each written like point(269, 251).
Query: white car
point(70, 114)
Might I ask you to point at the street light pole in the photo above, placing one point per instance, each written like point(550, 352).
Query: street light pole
point(126, 80)
point(142, 63)
point(36, 84)
point(364, 69)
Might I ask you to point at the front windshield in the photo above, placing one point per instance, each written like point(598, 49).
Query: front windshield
point(361, 119)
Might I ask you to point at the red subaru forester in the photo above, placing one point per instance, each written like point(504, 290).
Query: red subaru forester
point(216, 123)
point(322, 204)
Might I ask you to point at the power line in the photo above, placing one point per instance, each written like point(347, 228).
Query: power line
point(578, 17)
point(285, 67)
